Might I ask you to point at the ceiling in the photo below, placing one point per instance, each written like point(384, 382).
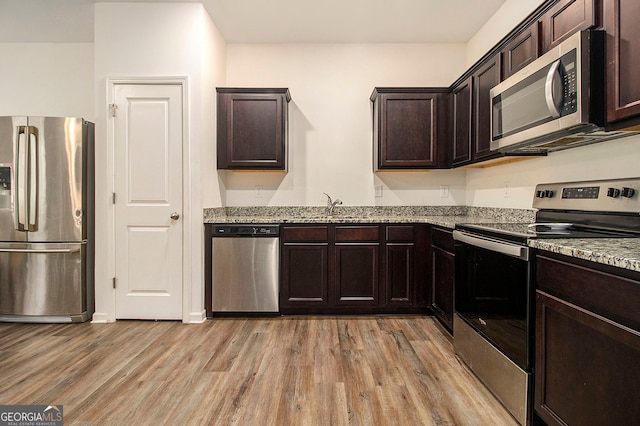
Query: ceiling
point(350, 21)
point(272, 21)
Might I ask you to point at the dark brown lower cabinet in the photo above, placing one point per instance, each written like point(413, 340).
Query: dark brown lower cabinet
point(400, 271)
point(306, 278)
point(443, 275)
point(358, 269)
point(304, 266)
point(587, 368)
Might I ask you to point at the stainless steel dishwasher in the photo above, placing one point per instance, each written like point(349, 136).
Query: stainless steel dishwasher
point(245, 265)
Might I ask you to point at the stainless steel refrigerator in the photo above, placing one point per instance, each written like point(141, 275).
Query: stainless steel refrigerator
point(46, 219)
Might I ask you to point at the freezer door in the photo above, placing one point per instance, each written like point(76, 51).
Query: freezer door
point(13, 133)
point(57, 204)
point(42, 280)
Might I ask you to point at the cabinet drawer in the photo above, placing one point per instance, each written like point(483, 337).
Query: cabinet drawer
point(443, 239)
point(611, 296)
point(357, 233)
point(400, 233)
point(305, 234)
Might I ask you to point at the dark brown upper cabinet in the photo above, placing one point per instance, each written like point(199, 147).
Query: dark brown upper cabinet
point(566, 18)
point(252, 128)
point(484, 79)
point(461, 100)
point(520, 51)
point(410, 128)
point(622, 18)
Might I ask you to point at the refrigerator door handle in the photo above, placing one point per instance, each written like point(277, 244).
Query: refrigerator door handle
point(20, 207)
point(32, 178)
point(16, 250)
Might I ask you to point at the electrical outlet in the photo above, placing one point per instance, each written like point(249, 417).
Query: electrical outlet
point(378, 190)
point(258, 191)
point(444, 191)
point(507, 189)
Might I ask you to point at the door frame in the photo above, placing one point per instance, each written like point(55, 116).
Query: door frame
point(108, 313)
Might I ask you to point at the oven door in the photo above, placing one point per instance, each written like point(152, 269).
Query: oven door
point(493, 293)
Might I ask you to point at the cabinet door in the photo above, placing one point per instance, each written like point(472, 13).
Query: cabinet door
point(443, 281)
point(566, 18)
point(252, 130)
point(520, 52)
point(406, 130)
point(399, 275)
point(623, 59)
point(356, 265)
point(356, 277)
point(304, 275)
point(462, 107)
point(304, 266)
point(484, 79)
point(443, 275)
point(399, 265)
point(586, 367)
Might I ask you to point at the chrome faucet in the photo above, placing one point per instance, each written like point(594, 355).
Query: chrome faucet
point(331, 204)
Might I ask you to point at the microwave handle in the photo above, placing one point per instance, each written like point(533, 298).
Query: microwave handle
point(552, 75)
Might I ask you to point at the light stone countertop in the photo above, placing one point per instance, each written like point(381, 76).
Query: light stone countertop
point(445, 216)
point(619, 252)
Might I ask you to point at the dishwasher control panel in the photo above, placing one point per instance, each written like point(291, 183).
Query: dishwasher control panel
point(246, 230)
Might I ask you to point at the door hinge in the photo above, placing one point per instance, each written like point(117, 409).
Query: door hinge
point(113, 198)
point(114, 282)
point(113, 109)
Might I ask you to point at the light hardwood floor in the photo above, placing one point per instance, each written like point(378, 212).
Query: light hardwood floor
point(365, 370)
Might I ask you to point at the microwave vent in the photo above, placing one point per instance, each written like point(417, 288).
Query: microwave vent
point(549, 143)
point(562, 142)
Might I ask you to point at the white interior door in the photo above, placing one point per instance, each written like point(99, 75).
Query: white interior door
point(148, 133)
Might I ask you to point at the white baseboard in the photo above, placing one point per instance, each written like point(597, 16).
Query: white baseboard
point(197, 317)
point(100, 318)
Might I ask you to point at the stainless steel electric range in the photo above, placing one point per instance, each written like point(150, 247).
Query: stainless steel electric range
point(494, 282)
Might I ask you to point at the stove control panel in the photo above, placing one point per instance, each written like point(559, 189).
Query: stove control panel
point(613, 195)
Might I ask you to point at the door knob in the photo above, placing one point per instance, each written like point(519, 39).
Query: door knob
point(175, 216)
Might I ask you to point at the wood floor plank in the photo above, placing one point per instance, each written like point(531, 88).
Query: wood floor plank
point(360, 370)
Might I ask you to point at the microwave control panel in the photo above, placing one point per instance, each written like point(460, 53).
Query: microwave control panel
point(569, 83)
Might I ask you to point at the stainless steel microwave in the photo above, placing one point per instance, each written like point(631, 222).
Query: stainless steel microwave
point(554, 103)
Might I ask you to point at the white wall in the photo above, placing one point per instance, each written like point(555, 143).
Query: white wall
point(606, 160)
point(163, 41)
point(214, 52)
point(47, 79)
point(331, 120)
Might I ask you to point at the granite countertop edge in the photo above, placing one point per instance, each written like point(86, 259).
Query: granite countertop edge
point(619, 252)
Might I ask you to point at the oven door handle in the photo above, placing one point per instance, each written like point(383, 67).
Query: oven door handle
point(514, 250)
